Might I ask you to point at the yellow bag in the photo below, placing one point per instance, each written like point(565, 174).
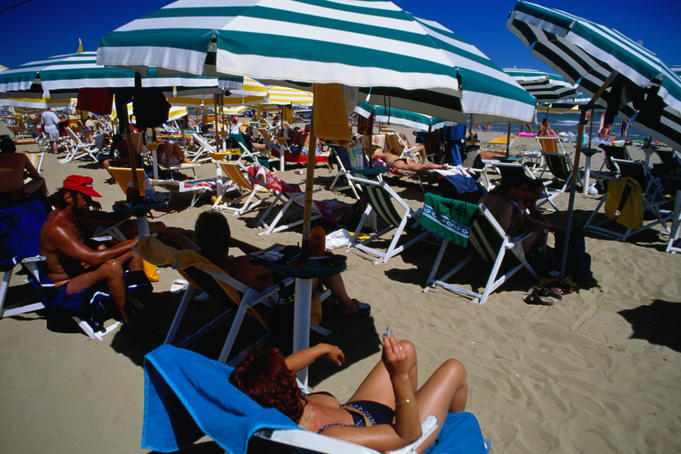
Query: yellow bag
point(150, 270)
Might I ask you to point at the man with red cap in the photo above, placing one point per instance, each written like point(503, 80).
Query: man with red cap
point(74, 268)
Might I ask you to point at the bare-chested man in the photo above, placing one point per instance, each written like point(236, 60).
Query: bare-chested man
point(72, 266)
point(14, 167)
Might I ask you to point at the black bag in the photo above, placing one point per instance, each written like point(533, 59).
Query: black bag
point(578, 265)
point(150, 107)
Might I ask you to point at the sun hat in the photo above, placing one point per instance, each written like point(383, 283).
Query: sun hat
point(81, 184)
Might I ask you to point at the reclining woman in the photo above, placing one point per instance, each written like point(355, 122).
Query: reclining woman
point(384, 413)
point(395, 162)
point(214, 238)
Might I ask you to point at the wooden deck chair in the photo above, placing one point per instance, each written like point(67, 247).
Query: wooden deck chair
point(253, 193)
point(490, 243)
point(188, 396)
point(79, 148)
point(203, 275)
point(381, 200)
point(673, 245)
point(636, 179)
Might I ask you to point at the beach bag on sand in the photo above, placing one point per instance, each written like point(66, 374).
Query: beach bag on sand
point(578, 265)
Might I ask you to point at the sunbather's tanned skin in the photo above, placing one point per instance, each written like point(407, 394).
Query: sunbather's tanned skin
point(392, 384)
point(505, 205)
point(72, 263)
point(395, 162)
point(14, 167)
point(215, 239)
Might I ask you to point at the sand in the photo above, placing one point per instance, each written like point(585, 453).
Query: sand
point(597, 372)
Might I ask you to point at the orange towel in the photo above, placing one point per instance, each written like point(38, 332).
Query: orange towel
point(329, 117)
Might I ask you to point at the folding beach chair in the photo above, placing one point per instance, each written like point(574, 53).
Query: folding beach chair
point(347, 160)
point(560, 167)
point(20, 233)
point(485, 235)
point(36, 159)
point(205, 147)
point(286, 197)
point(78, 148)
point(611, 152)
point(205, 276)
point(381, 198)
point(633, 194)
point(254, 194)
point(517, 171)
point(673, 246)
point(188, 396)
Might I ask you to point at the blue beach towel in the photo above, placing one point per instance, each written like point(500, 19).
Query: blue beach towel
point(187, 395)
point(20, 230)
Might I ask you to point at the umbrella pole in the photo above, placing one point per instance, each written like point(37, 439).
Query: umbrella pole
point(575, 167)
point(508, 140)
point(591, 126)
point(215, 109)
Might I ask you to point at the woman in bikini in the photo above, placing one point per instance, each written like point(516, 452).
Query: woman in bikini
point(385, 412)
point(395, 162)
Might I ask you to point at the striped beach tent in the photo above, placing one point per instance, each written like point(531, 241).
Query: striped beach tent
point(421, 65)
point(545, 87)
point(589, 54)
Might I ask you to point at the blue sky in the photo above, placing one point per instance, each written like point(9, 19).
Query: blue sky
point(41, 28)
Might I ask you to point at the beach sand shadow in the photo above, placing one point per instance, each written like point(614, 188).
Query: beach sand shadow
point(659, 323)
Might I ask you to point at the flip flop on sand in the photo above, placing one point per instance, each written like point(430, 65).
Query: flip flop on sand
point(363, 310)
point(542, 295)
point(178, 286)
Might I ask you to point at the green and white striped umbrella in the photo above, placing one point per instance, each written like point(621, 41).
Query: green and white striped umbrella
point(360, 43)
point(63, 75)
point(546, 87)
point(402, 117)
point(588, 54)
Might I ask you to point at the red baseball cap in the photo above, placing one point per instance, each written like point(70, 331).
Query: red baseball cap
point(81, 184)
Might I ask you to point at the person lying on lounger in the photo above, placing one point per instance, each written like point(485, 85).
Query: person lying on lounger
point(395, 162)
point(215, 239)
point(170, 154)
point(14, 167)
point(384, 413)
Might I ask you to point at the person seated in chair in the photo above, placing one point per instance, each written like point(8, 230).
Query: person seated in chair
point(14, 168)
point(504, 202)
point(545, 130)
point(171, 154)
point(214, 237)
point(73, 267)
point(395, 162)
point(384, 413)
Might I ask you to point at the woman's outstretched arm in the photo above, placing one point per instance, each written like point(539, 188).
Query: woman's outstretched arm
point(300, 360)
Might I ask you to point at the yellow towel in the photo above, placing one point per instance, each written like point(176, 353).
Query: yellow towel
point(631, 215)
point(329, 118)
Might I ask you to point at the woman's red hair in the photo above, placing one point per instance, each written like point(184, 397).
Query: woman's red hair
point(263, 375)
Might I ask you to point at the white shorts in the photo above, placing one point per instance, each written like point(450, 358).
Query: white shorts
point(52, 132)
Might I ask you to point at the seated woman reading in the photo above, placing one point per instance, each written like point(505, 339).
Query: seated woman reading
point(395, 162)
point(384, 413)
point(215, 239)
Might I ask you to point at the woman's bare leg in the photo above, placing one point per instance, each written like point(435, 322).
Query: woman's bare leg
point(446, 391)
point(376, 387)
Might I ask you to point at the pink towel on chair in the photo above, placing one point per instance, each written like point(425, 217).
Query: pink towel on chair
point(260, 175)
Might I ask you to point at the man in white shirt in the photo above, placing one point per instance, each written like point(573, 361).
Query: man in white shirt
point(50, 122)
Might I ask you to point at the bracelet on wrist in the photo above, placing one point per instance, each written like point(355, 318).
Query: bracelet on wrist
point(403, 402)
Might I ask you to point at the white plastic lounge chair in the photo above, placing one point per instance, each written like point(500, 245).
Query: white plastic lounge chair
point(490, 243)
point(381, 198)
point(188, 395)
point(205, 147)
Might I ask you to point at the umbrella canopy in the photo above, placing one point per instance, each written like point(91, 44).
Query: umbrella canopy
point(400, 117)
point(276, 94)
point(546, 87)
point(373, 44)
point(63, 75)
point(643, 88)
point(22, 105)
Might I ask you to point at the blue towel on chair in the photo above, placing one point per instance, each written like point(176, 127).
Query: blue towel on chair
point(188, 395)
point(20, 230)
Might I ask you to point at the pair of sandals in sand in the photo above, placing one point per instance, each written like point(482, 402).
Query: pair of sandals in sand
point(543, 295)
